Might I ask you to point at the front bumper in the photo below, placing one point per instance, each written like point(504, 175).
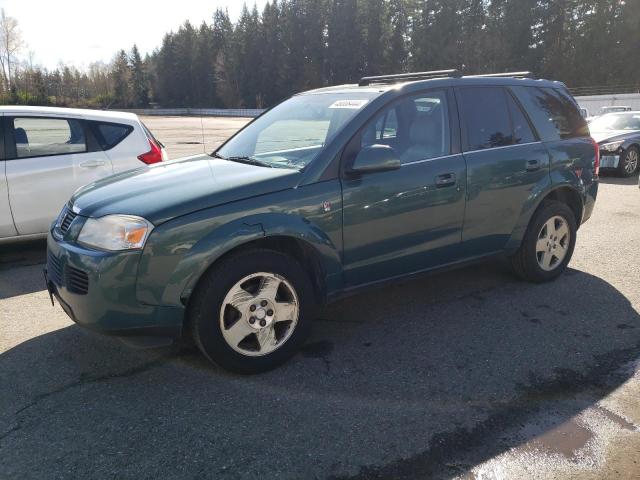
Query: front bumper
point(97, 290)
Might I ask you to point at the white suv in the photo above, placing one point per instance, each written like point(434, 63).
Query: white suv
point(47, 153)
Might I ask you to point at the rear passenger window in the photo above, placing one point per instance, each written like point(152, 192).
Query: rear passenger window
point(522, 132)
point(553, 112)
point(39, 137)
point(111, 134)
point(486, 117)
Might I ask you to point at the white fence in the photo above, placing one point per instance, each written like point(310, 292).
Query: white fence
point(199, 112)
point(594, 103)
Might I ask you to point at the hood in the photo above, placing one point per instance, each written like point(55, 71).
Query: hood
point(606, 136)
point(170, 189)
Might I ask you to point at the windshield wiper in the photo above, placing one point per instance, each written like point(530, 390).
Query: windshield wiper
point(248, 161)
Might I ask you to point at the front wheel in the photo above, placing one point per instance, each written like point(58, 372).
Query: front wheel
point(629, 162)
point(548, 243)
point(250, 313)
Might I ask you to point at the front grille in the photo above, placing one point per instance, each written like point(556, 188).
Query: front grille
point(77, 281)
point(54, 270)
point(67, 218)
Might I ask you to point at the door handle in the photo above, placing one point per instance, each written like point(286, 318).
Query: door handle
point(445, 180)
point(92, 163)
point(533, 165)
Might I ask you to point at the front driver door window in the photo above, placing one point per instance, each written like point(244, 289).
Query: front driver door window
point(409, 219)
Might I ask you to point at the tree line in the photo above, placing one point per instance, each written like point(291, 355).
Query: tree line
point(295, 45)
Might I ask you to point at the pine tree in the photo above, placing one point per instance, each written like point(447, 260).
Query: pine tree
point(344, 42)
point(273, 83)
point(397, 54)
point(376, 35)
point(224, 70)
point(247, 50)
point(204, 68)
point(139, 81)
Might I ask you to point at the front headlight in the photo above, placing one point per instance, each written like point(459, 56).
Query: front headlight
point(611, 147)
point(115, 232)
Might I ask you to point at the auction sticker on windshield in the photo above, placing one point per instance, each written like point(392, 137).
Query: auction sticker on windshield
point(353, 104)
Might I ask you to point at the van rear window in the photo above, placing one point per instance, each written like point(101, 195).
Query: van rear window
point(553, 112)
point(110, 134)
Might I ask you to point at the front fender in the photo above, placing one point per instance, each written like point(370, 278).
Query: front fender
point(228, 237)
point(311, 233)
point(180, 251)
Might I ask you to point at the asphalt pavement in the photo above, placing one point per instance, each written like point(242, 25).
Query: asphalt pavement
point(470, 373)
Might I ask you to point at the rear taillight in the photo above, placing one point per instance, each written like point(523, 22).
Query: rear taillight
point(152, 156)
point(596, 163)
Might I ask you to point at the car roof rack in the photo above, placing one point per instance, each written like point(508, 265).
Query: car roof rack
point(505, 74)
point(386, 79)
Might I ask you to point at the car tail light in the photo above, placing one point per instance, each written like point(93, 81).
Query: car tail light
point(152, 156)
point(596, 164)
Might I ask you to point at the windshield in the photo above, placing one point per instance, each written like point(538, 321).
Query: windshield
point(292, 134)
point(618, 121)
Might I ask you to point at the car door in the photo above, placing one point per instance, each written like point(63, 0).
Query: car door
point(409, 219)
point(49, 157)
point(505, 163)
point(7, 228)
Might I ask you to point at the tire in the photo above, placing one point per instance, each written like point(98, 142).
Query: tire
point(629, 162)
point(534, 265)
point(252, 292)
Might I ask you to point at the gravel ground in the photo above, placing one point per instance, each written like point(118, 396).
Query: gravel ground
point(469, 373)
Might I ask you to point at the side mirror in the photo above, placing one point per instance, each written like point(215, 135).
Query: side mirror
point(375, 158)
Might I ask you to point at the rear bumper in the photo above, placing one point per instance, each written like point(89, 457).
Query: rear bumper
point(589, 200)
point(108, 304)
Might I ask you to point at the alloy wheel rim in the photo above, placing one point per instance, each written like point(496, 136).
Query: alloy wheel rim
point(553, 243)
point(631, 162)
point(259, 314)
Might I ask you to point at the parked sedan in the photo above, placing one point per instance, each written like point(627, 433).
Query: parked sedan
point(618, 135)
point(615, 109)
point(50, 152)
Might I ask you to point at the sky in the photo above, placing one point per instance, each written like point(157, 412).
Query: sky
point(77, 32)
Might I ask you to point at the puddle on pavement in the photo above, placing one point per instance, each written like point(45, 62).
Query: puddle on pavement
point(565, 439)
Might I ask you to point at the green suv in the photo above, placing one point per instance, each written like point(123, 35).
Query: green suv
point(329, 192)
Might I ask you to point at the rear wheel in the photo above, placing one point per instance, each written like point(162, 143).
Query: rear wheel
point(548, 244)
point(250, 313)
point(629, 162)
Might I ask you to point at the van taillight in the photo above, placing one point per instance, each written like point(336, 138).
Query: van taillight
point(596, 164)
point(152, 156)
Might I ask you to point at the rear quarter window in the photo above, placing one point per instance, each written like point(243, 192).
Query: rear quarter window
point(486, 117)
point(109, 135)
point(553, 112)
